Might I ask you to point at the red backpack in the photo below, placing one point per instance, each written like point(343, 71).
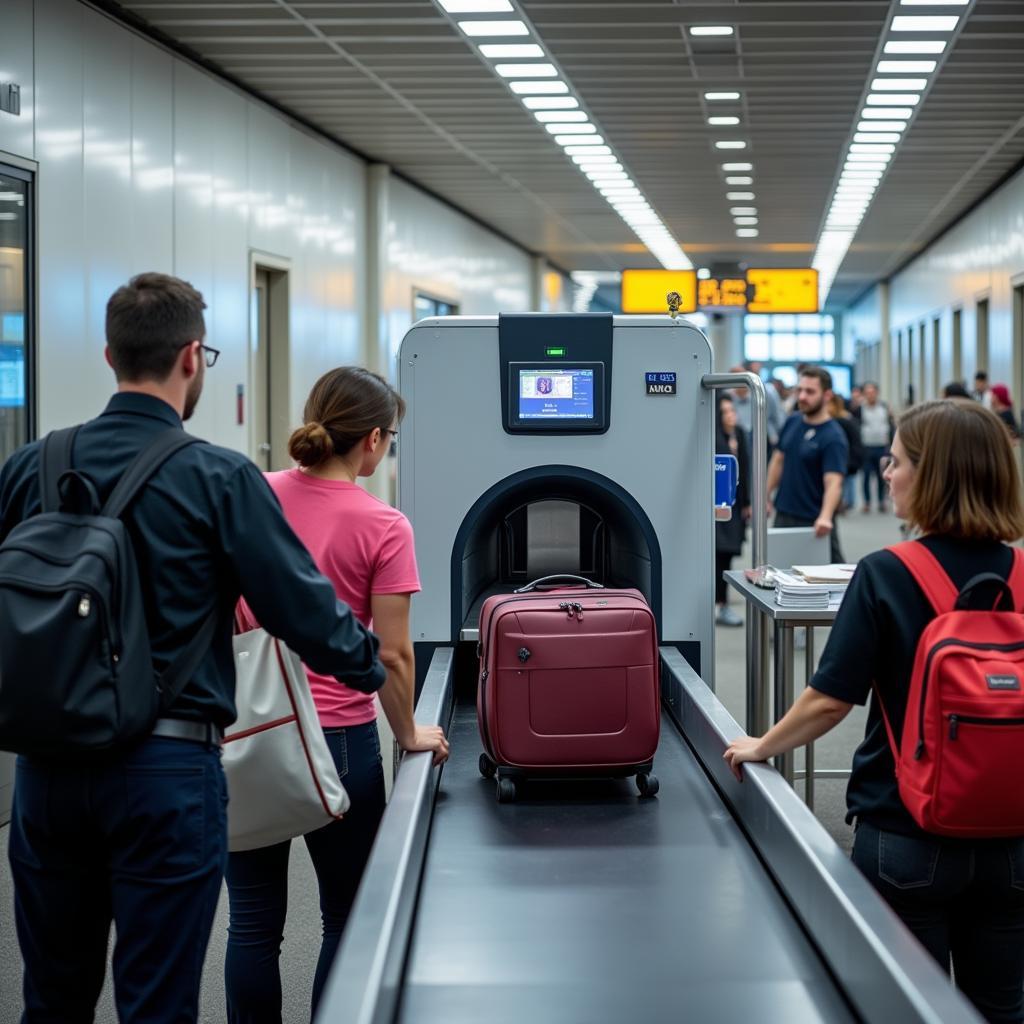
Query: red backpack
point(960, 765)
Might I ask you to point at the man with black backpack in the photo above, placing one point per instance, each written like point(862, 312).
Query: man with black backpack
point(124, 547)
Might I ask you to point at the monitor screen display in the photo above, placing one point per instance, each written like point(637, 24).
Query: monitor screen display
point(556, 394)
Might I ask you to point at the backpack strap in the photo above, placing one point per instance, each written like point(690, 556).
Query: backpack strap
point(888, 726)
point(143, 466)
point(928, 574)
point(173, 679)
point(54, 462)
point(1016, 578)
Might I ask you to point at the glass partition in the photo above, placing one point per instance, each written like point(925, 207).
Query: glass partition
point(15, 310)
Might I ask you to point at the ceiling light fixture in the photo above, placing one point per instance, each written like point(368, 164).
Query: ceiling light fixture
point(739, 197)
point(896, 84)
point(883, 113)
point(526, 70)
point(881, 99)
point(479, 29)
point(739, 179)
point(737, 167)
point(730, 144)
point(499, 51)
point(747, 232)
point(550, 102)
point(537, 84)
point(723, 120)
point(881, 126)
point(876, 137)
point(743, 211)
point(903, 67)
point(745, 221)
point(934, 3)
point(711, 30)
point(915, 46)
point(476, 6)
point(924, 22)
point(721, 97)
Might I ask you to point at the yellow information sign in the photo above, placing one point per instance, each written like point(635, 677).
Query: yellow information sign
point(644, 291)
point(783, 291)
point(725, 292)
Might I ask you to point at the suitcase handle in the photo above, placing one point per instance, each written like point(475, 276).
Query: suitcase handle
point(557, 581)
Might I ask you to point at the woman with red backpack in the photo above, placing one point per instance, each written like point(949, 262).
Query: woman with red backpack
point(930, 631)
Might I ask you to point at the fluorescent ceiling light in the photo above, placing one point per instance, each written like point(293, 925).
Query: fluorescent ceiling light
point(711, 30)
point(904, 67)
point(723, 120)
point(494, 28)
point(730, 144)
point(498, 51)
point(745, 221)
point(869, 158)
point(739, 197)
point(739, 179)
point(876, 99)
point(876, 137)
point(746, 232)
point(743, 211)
point(717, 97)
point(608, 174)
point(589, 159)
point(550, 102)
point(526, 70)
point(872, 147)
point(876, 165)
point(577, 148)
point(915, 46)
point(934, 3)
point(537, 88)
point(544, 116)
point(476, 6)
point(924, 22)
point(895, 84)
point(570, 128)
point(578, 140)
point(882, 126)
point(883, 113)
point(737, 167)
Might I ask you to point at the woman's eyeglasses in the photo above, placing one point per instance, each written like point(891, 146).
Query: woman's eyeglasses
point(393, 433)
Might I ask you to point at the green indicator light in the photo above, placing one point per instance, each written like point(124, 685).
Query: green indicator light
point(554, 352)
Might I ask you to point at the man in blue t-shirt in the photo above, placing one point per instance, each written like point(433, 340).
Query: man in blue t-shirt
point(806, 471)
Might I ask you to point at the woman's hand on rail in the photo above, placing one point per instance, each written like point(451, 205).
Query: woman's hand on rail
point(427, 737)
point(746, 748)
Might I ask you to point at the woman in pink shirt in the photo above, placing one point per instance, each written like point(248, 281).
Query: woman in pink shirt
point(365, 547)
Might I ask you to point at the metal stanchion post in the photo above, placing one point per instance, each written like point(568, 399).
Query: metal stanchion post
point(809, 752)
point(784, 690)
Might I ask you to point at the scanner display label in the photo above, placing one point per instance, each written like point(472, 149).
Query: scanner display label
point(556, 394)
point(660, 383)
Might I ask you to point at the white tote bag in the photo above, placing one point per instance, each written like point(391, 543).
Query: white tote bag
point(282, 781)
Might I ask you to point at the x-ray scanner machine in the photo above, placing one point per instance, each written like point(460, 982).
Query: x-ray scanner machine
point(543, 444)
point(536, 444)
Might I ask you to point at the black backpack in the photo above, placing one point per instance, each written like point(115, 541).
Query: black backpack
point(76, 670)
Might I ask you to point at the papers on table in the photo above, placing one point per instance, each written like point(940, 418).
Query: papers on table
point(837, 575)
point(793, 592)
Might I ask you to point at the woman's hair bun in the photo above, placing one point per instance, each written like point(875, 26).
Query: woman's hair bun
point(310, 445)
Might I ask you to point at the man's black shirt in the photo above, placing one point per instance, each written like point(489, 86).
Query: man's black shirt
point(874, 639)
point(206, 528)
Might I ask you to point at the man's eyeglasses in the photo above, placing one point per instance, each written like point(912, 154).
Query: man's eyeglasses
point(210, 355)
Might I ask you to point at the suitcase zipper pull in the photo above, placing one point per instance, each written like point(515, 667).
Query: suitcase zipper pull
point(567, 607)
point(579, 611)
point(954, 726)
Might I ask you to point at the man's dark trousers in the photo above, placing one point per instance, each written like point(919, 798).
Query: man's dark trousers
point(783, 519)
point(140, 841)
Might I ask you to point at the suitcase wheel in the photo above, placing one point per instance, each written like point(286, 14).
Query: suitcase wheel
point(647, 784)
point(487, 767)
point(506, 791)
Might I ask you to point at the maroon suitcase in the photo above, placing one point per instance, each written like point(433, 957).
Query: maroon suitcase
point(568, 684)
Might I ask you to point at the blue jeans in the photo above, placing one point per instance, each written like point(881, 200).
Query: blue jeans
point(140, 841)
point(964, 901)
point(258, 885)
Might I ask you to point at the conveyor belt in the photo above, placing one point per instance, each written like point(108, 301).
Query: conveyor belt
point(579, 898)
point(716, 901)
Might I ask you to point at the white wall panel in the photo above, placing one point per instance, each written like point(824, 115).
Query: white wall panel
point(72, 376)
point(433, 249)
point(16, 65)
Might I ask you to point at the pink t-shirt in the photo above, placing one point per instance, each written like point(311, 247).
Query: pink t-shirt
point(363, 546)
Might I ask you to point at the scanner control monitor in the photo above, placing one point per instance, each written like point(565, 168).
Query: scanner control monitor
point(556, 396)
